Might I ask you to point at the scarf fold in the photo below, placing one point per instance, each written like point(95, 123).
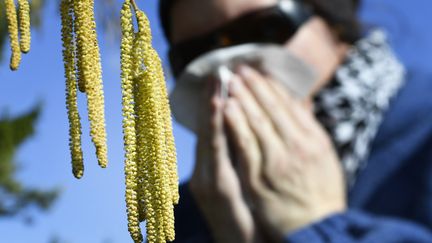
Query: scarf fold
point(352, 106)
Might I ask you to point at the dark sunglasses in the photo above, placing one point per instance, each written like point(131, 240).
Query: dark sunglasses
point(275, 24)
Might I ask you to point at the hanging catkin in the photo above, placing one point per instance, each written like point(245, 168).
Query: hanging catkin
point(159, 119)
point(12, 19)
point(131, 169)
point(83, 69)
point(90, 73)
point(151, 179)
point(24, 25)
point(19, 31)
point(66, 11)
point(150, 156)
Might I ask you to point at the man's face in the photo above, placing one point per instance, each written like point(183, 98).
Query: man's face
point(315, 43)
point(192, 18)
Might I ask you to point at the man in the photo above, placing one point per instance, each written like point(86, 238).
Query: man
point(310, 170)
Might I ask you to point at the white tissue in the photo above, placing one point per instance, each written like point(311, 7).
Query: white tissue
point(274, 60)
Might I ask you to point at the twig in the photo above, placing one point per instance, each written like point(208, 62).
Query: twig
point(134, 5)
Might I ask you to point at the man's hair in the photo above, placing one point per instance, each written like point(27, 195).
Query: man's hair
point(341, 15)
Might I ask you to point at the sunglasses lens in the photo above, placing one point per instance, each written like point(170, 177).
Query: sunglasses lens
point(271, 25)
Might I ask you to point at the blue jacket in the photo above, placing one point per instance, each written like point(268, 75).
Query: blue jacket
point(392, 198)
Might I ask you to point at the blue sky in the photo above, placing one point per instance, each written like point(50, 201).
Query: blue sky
point(92, 210)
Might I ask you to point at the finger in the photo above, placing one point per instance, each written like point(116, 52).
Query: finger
point(207, 111)
point(301, 110)
point(206, 108)
point(220, 190)
point(246, 146)
point(271, 145)
point(257, 119)
point(304, 116)
point(219, 142)
point(214, 169)
point(279, 112)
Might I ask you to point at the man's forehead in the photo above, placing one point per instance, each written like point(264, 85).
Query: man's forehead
point(194, 17)
point(228, 7)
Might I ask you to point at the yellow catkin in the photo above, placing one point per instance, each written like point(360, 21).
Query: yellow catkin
point(24, 25)
point(170, 151)
point(169, 136)
point(71, 88)
point(95, 95)
point(83, 66)
point(151, 131)
point(82, 29)
point(144, 197)
point(131, 167)
point(157, 154)
point(159, 78)
point(90, 74)
point(12, 19)
point(150, 163)
point(147, 185)
point(167, 152)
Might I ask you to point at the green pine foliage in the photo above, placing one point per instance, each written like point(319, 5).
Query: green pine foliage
point(3, 28)
point(15, 197)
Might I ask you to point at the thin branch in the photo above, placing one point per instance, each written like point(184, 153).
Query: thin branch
point(134, 5)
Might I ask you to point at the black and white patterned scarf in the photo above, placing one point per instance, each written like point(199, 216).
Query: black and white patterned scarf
point(351, 107)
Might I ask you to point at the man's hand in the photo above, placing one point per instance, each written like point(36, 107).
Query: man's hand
point(214, 184)
point(287, 163)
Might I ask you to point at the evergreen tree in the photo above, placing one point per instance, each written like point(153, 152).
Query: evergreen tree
point(15, 197)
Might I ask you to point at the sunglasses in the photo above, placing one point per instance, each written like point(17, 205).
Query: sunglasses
point(275, 24)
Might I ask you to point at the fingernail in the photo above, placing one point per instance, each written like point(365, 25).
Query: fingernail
point(234, 84)
point(244, 70)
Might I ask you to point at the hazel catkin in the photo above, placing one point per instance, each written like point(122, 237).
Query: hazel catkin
point(90, 74)
point(19, 31)
point(131, 169)
point(156, 180)
point(24, 25)
point(12, 19)
point(83, 71)
point(150, 156)
point(66, 12)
